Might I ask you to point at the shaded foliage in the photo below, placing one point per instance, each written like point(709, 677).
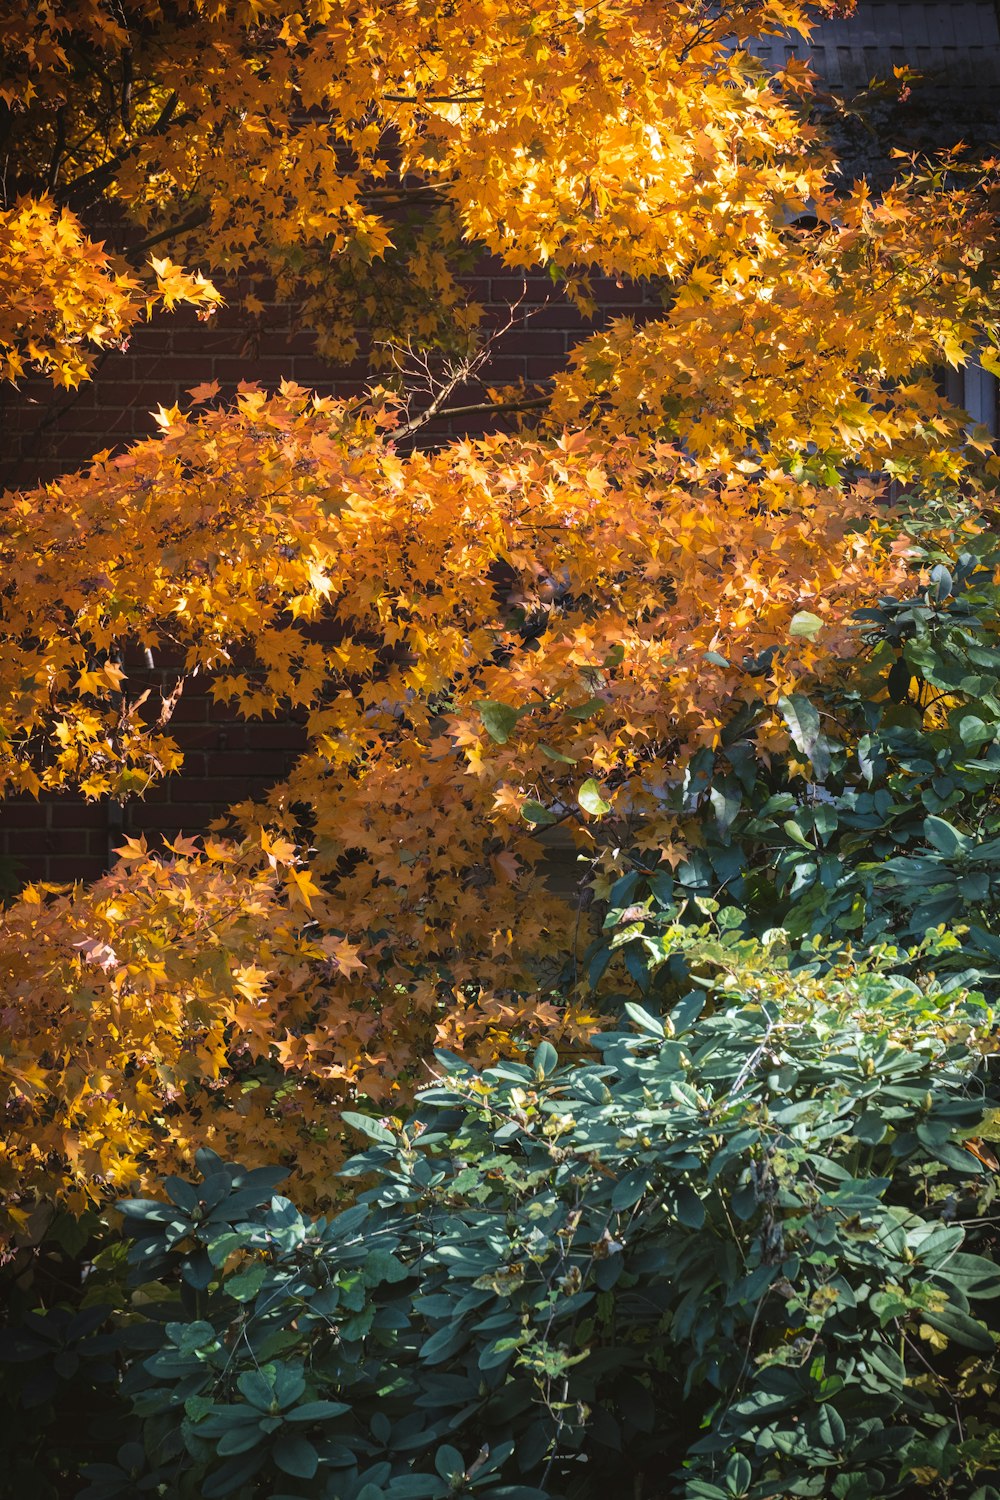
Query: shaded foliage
point(747, 1250)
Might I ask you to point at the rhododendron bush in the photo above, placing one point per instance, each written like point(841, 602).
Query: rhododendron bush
point(498, 646)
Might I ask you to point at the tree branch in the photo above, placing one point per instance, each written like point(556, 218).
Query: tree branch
point(165, 116)
point(99, 177)
point(390, 195)
point(428, 414)
point(194, 221)
point(58, 149)
point(533, 403)
point(126, 99)
point(433, 98)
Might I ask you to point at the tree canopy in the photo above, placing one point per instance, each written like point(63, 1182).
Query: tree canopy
point(534, 632)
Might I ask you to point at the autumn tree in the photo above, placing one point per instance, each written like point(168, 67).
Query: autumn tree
point(489, 642)
point(356, 157)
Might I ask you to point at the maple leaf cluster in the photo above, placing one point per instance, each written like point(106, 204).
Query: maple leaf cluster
point(827, 341)
point(61, 298)
point(188, 983)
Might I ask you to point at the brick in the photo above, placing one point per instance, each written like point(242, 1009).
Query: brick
point(192, 817)
point(268, 372)
point(543, 365)
point(253, 767)
point(73, 814)
point(214, 792)
point(297, 343)
point(220, 740)
point(205, 342)
point(187, 370)
point(309, 370)
point(532, 341)
point(188, 711)
point(65, 870)
point(98, 422)
point(194, 765)
point(27, 841)
point(34, 843)
point(505, 369)
point(562, 317)
point(276, 736)
point(22, 814)
point(222, 715)
point(150, 338)
point(511, 288)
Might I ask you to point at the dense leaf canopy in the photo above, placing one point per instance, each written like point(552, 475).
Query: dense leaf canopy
point(494, 645)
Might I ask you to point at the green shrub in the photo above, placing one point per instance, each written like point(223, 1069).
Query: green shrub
point(742, 1252)
point(883, 817)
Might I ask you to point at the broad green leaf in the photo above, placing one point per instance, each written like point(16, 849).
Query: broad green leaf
point(256, 1388)
point(796, 835)
point(248, 1283)
point(449, 1463)
point(976, 1275)
point(317, 1411)
point(870, 1127)
point(373, 1129)
point(640, 1017)
point(443, 1343)
point(591, 800)
point(535, 812)
point(552, 754)
point(630, 1188)
point(802, 719)
point(961, 1329)
point(830, 1427)
point(382, 1267)
point(545, 1060)
point(945, 838)
point(588, 709)
point(941, 583)
point(499, 719)
point(239, 1440)
point(806, 624)
point(690, 1209)
point(295, 1455)
point(233, 1474)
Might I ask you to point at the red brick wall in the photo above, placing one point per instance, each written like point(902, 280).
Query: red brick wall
point(47, 433)
point(226, 759)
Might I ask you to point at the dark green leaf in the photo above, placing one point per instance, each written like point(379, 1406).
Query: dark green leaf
point(295, 1455)
point(499, 719)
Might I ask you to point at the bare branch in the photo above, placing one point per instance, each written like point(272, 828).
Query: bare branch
point(126, 99)
point(432, 98)
point(530, 403)
point(416, 367)
point(58, 149)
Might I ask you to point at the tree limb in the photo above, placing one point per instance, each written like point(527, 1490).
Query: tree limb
point(99, 177)
point(532, 403)
point(194, 221)
point(432, 98)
